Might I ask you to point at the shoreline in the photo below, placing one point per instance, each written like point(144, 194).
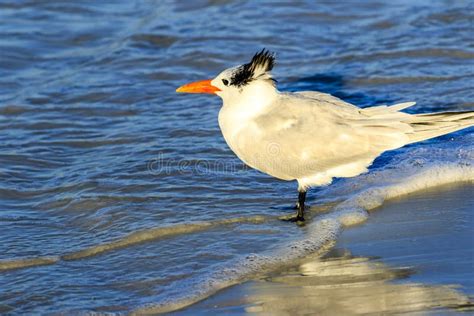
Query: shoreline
point(414, 254)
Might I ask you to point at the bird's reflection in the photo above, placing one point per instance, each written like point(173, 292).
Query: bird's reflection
point(348, 285)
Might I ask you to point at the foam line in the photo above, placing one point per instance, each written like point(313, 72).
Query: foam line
point(354, 210)
point(143, 236)
point(26, 262)
point(152, 234)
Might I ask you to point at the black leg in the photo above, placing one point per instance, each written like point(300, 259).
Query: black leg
point(300, 205)
point(299, 216)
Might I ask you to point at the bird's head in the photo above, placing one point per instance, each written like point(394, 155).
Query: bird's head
point(234, 83)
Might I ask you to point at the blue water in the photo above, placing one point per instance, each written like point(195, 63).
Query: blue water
point(95, 144)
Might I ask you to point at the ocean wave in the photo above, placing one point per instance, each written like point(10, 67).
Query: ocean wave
point(135, 238)
point(154, 234)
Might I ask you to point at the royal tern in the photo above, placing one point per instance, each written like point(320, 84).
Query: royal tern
point(309, 136)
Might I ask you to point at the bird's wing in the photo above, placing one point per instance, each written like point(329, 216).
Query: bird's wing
point(322, 97)
point(320, 132)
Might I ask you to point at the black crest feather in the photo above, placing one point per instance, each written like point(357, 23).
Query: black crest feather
point(261, 63)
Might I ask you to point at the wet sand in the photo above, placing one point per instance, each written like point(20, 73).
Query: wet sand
point(414, 255)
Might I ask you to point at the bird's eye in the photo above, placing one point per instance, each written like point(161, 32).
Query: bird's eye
point(225, 82)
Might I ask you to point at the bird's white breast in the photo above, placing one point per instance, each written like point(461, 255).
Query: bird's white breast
point(234, 124)
point(237, 122)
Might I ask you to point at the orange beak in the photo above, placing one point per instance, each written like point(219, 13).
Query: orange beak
point(203, 86)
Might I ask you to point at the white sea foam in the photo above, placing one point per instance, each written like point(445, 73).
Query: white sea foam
point(410, 171)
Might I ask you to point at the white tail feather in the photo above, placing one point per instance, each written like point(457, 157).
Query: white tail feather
point(426, 126)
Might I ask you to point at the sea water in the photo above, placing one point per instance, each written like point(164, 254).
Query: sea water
point(118, 195)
